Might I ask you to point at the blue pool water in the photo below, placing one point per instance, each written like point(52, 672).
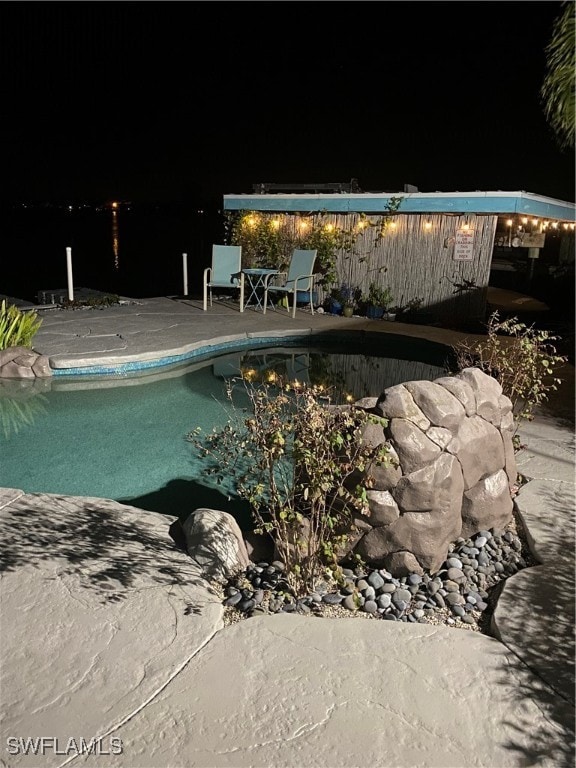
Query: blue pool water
point(125, 439)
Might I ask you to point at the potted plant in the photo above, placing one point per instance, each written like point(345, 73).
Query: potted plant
point(377, 300)
point(352, 297)
point(343, 300)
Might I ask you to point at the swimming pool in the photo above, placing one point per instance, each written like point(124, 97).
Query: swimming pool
point(125, 438)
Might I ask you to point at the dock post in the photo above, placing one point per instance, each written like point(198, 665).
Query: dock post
point(69, 270)
point(185, 269)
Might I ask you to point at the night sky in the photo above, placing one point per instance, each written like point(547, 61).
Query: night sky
point(187, 101)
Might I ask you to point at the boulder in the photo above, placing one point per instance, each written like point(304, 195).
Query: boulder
point(414, 449)
point(215, 542)
point(487, 391)
point(487, 505)
point(434, 493)
point(402, 564)
point(439, 406)
point(461, 390)
point(383, 508)
point(479, 448)
point(397, 402)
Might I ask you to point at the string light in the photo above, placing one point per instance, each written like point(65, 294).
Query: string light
point(428, 225)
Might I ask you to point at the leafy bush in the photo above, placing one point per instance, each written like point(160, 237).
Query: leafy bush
point(293, 457)
point(520, 357)
point(17, 328)
point(379, 296)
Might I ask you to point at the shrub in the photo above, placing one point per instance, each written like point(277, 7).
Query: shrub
point(522, 358)
point(292, 456)
point(379, 296)
point(17, 328)
point(92, 302)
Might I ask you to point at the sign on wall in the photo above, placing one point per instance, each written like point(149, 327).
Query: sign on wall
point(533, 239)
point(464, 245)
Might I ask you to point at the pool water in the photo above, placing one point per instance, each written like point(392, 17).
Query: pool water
point(125, 439)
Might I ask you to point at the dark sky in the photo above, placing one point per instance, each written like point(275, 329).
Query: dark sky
point(184, 101)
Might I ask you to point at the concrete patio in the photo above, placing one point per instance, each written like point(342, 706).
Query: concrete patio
point(110, 635)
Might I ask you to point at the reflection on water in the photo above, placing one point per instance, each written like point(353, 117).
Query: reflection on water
point(125, 438)
point(115, 238)
point(344, 377)
point(21, 403)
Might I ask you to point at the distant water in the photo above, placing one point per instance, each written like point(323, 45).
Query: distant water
point(134, 251)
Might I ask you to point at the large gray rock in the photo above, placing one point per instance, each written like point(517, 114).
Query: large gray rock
point(384, 475)
point(215, 542)
point(452, 440)
point(15, 370)
point(487, 505)
point(479, 448)
point(402, 564)
point(373, 435)
point(436, 485)
point(439, 406)
point(23, 363)
point(487, 392)
point(461, 390)
point(414, 449)
point(396, 402)
point(435, 492)
point(383, 508)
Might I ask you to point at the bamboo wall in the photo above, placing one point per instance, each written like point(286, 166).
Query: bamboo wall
point(416, 262)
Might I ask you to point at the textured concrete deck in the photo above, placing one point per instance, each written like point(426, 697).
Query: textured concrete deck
point(148, 329)
point(108, 632)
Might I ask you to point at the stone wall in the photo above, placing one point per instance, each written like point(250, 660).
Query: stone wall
point(23, 363)
point(452, 472)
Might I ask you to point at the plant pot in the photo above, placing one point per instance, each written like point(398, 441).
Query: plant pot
point(348, 311)
point(374, 313)
point(303, 297)
point(335, 307)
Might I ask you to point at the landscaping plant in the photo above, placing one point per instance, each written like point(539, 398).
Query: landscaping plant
point(522, 358)
point(293, 457)
point(17, 328)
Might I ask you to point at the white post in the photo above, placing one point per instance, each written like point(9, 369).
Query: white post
point(69, 269)
point(185, 268)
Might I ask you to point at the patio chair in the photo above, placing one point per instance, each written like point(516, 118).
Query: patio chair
point(225, 272)
point(300, 277)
